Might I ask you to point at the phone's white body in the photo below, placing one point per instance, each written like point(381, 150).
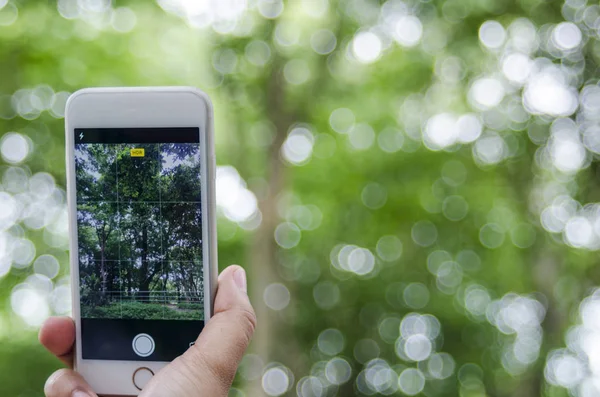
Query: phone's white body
point(139, 108)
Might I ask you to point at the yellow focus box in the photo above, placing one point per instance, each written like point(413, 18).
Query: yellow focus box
point(137, 152)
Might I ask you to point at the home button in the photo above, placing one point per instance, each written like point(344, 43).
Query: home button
point(141, 377)
point(143, 345)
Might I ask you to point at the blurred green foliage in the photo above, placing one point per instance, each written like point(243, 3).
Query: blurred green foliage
point(371, 225)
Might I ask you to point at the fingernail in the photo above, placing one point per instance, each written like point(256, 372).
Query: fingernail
point(239, 276)
point(53, 378)
point(79, 393)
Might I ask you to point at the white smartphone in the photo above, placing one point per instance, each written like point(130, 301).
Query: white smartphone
point(141, 198)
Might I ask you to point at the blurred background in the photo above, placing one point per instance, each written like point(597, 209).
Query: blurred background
point(413, 186)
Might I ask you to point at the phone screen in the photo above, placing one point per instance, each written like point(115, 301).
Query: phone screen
point(139, 231)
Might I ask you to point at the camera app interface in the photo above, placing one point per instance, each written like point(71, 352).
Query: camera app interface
point(139, 230)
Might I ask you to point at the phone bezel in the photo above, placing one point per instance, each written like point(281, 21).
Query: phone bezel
point(139, 108)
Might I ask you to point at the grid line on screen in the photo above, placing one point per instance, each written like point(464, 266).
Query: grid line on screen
point(119, 228)
point(161, 229)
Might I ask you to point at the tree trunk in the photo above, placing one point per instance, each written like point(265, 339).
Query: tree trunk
point(545, 273)
point(144, 269)
point(103, 272)
point(263, 248)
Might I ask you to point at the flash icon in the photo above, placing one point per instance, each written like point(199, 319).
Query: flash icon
point(81, 136)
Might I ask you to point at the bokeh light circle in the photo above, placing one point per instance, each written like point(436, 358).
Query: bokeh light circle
point(14, 147)
point(276, 296)
point(275, 381)
point(424, 233)
point(331, 342)
point(46, 265)
point(367, 47)
point(287, 235)
point(492, 34)
point(389, 248)
point(411, 381)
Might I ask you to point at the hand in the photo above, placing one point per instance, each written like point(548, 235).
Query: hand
point(205, 369)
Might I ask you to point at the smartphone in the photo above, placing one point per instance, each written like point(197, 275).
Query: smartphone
point(141, 199)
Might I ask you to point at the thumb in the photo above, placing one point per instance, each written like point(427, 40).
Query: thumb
point(208, 367)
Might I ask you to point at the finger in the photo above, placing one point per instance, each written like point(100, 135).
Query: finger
point(208, 367)
point(222, 343)
point(67, 383)
point(58, 336)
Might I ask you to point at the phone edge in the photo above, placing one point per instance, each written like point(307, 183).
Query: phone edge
point(212, 266)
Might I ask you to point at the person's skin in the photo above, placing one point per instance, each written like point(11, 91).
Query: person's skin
point(205, 369)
